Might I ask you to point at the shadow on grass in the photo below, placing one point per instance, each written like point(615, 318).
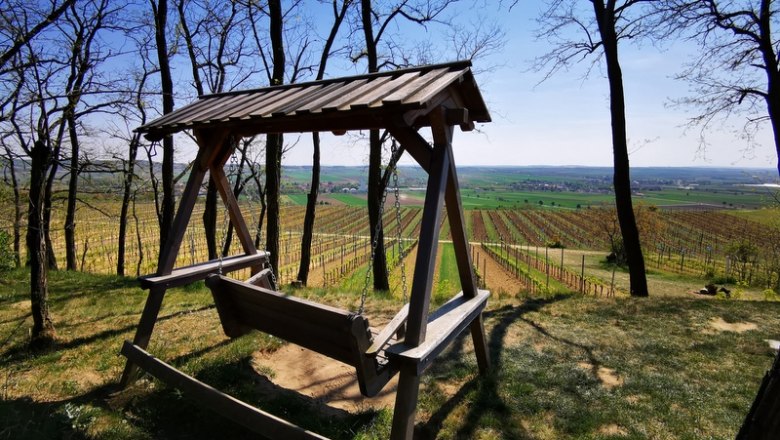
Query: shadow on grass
point(486, 399)
point(21, 350)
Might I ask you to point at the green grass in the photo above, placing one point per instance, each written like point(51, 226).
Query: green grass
point(349, 199)
point(449, 279)
point(674, 375)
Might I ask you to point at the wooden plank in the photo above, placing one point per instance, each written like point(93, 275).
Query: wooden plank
point(280, 101)
point(405, 406)
point(234, 211)
point(309, 97)
point(380, 92)
point(422, 96)
point(355, 94)
point(381, 338)
point(426, 248)
point(316, 105)
point(261, 279)
point(249, 107)
point(196, 272)
point(413, 86)
point(444, 326)
point(228, 406)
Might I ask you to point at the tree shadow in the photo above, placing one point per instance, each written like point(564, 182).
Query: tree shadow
point(20, 350)
point(482, 391)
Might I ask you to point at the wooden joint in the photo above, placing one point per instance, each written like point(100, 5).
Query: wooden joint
point(456, 116)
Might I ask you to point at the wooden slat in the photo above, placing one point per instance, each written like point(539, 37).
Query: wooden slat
point(252, 105)
point(381, 338)
point(312, 96)
point(228, 406)
point(262, 279)
point(189, 274)
point(316, 105)
point(412, 87)
point(381, 91)
point(432, 89)
point(444, 325)
point(355, 94)
point(281, 101)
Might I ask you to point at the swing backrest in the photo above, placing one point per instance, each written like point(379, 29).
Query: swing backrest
point(332, 332)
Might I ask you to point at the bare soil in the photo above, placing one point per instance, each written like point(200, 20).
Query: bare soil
point(324, 380)
point(498, 280)
point(737, 327)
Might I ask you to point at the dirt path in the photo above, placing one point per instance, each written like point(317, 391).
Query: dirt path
point(320, 378)
point(498, 281)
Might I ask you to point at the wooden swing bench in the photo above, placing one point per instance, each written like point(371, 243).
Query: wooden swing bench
point(339, 334)
point(438, 96)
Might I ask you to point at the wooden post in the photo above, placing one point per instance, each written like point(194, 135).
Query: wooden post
point(582, 276)
point(419, 302)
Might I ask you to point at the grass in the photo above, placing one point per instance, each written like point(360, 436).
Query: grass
point(564, 367)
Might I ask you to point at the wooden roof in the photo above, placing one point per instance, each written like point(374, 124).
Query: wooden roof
point(375, 100)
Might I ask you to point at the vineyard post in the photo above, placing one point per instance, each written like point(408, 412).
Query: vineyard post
point(484, 273)
point(612, 283)
point(582, 276)
point(547, 267)
point(561, 259)
point(682, 259)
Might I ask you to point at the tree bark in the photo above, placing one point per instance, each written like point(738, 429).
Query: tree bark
point(70, 210)
point(274, 142)
point(605, 15)
point(375, 189)
point(43, 327)
point(160, 11)
point(127, 192)
point(308, 219)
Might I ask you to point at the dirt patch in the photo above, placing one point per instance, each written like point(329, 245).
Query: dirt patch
point(21, 305)
point(320, 378)
point(613, 429)
point(497, 278)
point(607, 376)
point(738, 327)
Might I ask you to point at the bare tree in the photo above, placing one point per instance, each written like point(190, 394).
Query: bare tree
point(20, 36)
point(737, 71)
point(167, 205)
point(339, 13)
point(602, 29)
point(215, 35)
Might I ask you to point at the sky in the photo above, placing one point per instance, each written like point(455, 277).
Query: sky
point(565, 120)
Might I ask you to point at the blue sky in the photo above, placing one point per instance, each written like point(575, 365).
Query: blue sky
point(565, 120)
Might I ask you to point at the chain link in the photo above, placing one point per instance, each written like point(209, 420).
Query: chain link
point(399, 238)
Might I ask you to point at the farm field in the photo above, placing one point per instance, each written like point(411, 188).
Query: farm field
point(683, 247)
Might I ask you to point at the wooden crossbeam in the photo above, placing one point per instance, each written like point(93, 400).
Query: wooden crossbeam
point(196, 272)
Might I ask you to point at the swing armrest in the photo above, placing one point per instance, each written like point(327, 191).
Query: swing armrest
point(444, 325)
point(189, 274)
point(390, 329)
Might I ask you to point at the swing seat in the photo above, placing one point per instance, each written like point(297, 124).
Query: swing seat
point(333, 332)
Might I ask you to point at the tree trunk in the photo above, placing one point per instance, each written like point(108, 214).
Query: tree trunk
point(70, 210)
point(166, 84)
point(274, 142)
point(43, 328)
point(126, 194)
point(374, 164)
point(622, 177)
point(308, 219)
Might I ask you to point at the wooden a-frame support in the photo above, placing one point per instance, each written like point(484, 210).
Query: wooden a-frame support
point(215, 148)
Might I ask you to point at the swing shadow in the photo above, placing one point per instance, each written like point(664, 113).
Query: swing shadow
point(484, 390)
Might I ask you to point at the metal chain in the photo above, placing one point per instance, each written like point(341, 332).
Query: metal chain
point(399, 238)
point(374, 244)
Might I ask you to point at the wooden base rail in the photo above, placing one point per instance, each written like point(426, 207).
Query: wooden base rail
point(257, 420)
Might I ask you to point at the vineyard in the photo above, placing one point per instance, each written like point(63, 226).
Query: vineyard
point(513, 250)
